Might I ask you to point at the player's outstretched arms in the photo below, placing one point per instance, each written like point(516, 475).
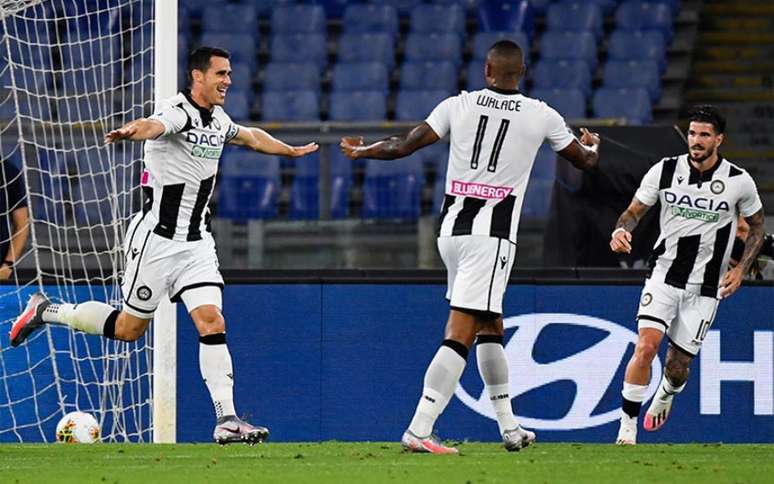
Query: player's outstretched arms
point(584, 154)
point(259, 140)
point(733, 278)
point(138, 130)
point(396, 146)
point(621, 238)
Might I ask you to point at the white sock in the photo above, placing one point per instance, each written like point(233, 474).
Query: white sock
point(666, 389)
point(493, 367)
point(89, 317)
point(441, 379)
point(218, 373)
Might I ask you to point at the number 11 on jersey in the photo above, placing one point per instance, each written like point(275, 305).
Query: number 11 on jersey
point(498, 143)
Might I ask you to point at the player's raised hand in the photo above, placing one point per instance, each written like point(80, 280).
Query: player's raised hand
point(304, 150)
point(731, 282)
point(350, 144)
point(123, 132)
point(588, 138)
point(621, 241)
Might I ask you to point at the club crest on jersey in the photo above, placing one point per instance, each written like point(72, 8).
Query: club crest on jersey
point(717, 187)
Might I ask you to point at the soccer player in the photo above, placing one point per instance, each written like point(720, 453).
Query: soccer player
point(168, 246)
point(495, 134)
point(702, 196)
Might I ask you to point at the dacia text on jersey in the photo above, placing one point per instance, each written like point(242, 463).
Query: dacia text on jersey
point(700, 208)
point(205, 145)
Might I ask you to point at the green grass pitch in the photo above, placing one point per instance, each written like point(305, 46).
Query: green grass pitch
point(336, 462)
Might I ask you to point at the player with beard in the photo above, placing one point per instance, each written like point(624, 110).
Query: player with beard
point(702, 196)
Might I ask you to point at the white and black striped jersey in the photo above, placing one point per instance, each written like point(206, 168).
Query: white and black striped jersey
point(699, 214)
point(180, 166)
point(495, 135)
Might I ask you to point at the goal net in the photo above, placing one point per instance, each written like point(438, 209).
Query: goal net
point(70, 70)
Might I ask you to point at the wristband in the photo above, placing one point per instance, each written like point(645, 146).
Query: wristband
point(616, 231)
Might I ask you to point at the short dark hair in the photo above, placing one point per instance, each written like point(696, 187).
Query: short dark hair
point(199, 59)
point(707, 113)
point(507, 48)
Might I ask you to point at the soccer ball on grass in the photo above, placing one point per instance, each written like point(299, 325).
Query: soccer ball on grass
point(77, 428)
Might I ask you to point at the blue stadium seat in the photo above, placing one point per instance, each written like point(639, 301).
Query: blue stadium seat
point(540, 6)
point(92, 203)
point(242, 47)
point(341, 182)
point(196, 7)
point(575, 17)
point(537, 200)
point(367, 48)
point(293, 106)
point(75, 109)
point(632, 104)
point(298, 19)
point(286, 76)
point(238, 104)
point(417, 105)
point(305, 188)
point(392, 189)
point(230, 19)
point(630, 74)
point(299, 48)
point(563, 74)
point(639, 15)
point(570, 103)
point(474, 76)
point(358, 106)
point(428, 19)
point(435, 156)
point(606, 6)
point(334, 9)
point(369, 18)
point(470, 5)
point(249, 186)
point(482, 41)
point(404, 7)
point(569, 46)
point(545, 164)
point(674, 5)
point(429, 76)
point(360, 76)
point(262, 7)
point(648, 45)
point(242, 76)
point(434, 47)
point(506, 16)
point(82, 50)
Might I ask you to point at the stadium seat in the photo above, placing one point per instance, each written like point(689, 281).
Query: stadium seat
point(434, 155)
point(79, 109)
point(563, 74)
point(606, 6)
point(341, 182)
point(230, 19)
point(242, 47)
point(540, 6)
point(367, 48)
point(632, 74)
point(238, 104)
point(482, 41)
point(575, 17)
point(569, 46)
point(242, 76)
point(286, 76)
point(249, 186)
point(632, 104)
point(639, 15)
point(428, 19)
point(299, 48)
point(417, 105)
point(404, 7)
point(537, 200)
point(196, 7)
point(570, 103)
point(429, 76)
point(290, 106)
point(392, 189)
point(91, 203)
point(298, 19)
point(469, 5)
point(434, 47)
point(305, 188)
point(264, 8)
point(544, 167)
point(474, 76)
point(82, 50)
point(506, 16)
point(358, 106)
point(639, 46)
point(369, 18)
point(674, 5)
point(334, 9)
point(360, 76)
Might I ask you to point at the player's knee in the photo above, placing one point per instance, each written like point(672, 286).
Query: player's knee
point(209, 320)
point(645, 352)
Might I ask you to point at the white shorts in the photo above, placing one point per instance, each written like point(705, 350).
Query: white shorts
point(684, 315)
point(478, 269)
point(157, 266)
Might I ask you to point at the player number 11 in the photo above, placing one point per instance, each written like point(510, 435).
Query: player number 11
point(498, 143)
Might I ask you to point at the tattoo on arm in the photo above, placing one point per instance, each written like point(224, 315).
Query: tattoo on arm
point(632, 216)
point(754, 240)
point(398, 146)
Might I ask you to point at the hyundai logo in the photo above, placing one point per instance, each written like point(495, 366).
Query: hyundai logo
point(591, 370)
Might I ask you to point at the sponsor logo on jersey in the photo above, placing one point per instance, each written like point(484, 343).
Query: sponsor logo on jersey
point(699, 208)
point(479, 190)
point(205, 145)
point(702, 215)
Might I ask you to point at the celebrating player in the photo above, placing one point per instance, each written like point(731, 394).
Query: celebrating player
point(702, 196)
point(495, 134)
point(168, 246)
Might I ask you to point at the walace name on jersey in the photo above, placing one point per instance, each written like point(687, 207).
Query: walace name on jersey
point(205, 145)
point(505, 104)
point(700, 208)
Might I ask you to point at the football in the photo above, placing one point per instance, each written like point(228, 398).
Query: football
point(77, 428)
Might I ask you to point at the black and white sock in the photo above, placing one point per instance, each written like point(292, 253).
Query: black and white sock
point(217, 372)
point(91, 317)
point(633, 396)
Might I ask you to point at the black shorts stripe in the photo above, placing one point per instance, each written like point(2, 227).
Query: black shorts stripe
point(463, 224)
point(147, 199)
point(131, 237)
point(149, 312)
point(685, 259)
point(709, 286)
point(169, 208)
point(667, 173)
point(657, 252)
point(177, 297)
point(202, 197)
point(137, 266)
point(502, 215)
point(448, 201)
point(491, 280)
point(652, 318)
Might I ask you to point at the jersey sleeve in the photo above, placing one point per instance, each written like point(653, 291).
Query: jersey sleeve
point(647, 193)
point(749, 200)
point(559, 136)
point(232, 129)
point(440, 119)
point(174, 118)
